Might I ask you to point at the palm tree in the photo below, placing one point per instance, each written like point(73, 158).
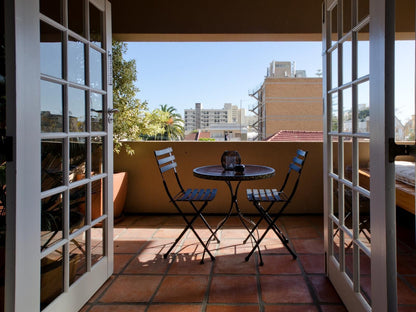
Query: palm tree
point(174, 129)
point(155, 122)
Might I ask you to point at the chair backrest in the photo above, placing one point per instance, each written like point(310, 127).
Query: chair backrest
point(167, 165)
point(295, 170)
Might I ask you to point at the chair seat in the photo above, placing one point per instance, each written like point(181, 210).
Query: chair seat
point(266, 195)
point(167, 167)
point(273, 196)
point(197, 195)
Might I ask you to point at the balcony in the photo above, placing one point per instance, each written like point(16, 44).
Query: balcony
point(144, 281)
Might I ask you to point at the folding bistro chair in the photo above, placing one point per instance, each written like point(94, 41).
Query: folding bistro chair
point(167, 166)
point(272, 196)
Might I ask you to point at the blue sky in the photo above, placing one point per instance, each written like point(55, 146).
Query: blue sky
point(180, 74)
point(213, 73)
point(405, 79)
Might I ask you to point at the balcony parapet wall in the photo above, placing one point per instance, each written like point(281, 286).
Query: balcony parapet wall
point(146, 193)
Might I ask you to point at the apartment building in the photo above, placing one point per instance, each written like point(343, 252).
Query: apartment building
point(229, 121)
point(287, 100)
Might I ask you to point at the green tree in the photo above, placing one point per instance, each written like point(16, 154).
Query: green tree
point(129, 123)
point(173, 125)
point(206, 139)
point(364, 113)
point(163, 124)
point(155, 124)
point(334, 124)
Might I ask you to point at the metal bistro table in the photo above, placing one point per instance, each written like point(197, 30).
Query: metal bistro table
point(217, 172)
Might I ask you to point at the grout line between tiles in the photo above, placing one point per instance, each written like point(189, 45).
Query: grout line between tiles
point(259, 290)
point(211, 273)
point(205, 302)
point(403, 278)
point(139, 251)
point(306, 277)
point(206, 295)
point(116, 275)
point(174, 255)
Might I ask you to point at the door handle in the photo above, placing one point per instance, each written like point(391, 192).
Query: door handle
point(110, 113)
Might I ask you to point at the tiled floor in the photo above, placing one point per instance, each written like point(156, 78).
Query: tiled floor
point(144, 281)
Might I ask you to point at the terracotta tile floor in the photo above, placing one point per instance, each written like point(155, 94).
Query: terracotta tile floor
point(144, 281)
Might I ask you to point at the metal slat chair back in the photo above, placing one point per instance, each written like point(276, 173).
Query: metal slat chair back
point(294, 173)
point(283, 196)
point(167, 166)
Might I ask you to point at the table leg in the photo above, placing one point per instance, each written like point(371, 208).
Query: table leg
point(243, 219)
point(219, 226)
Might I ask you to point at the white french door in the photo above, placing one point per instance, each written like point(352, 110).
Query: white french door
point(62, 224)
point(360, 238)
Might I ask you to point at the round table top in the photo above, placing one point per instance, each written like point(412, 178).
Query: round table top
point(217, 172)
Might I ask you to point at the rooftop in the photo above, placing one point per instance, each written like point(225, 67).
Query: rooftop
point(195, 136)
point(296, 136)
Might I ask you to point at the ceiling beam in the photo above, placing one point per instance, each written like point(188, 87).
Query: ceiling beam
point(232, 20)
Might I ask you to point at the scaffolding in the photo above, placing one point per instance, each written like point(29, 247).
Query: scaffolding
point(259, 111)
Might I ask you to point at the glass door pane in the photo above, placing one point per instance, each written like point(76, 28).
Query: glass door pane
point(404, 91)
point(347, 101)
point(74, 148)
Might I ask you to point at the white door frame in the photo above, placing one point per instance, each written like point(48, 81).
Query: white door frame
point(382, 195)
point(383, 207)
point(23, 255)
point(23, 174)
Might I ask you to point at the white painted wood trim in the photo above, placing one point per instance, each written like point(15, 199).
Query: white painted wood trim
point(382, 197)
point(23, 174)
point(109, 245)
point(355, 301)
point(383, 244)
point(80, 292)
point(327, 146)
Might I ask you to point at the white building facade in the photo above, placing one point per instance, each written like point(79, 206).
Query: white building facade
point(209, 119)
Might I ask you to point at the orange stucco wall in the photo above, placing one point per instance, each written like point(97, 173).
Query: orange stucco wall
point(145, 190)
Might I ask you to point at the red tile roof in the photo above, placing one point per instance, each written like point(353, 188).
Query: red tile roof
point(195, 136)
point(204, 135)
point(296, 136)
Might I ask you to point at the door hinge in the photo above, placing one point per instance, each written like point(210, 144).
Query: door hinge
point(6, 144)
point(400, 150)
